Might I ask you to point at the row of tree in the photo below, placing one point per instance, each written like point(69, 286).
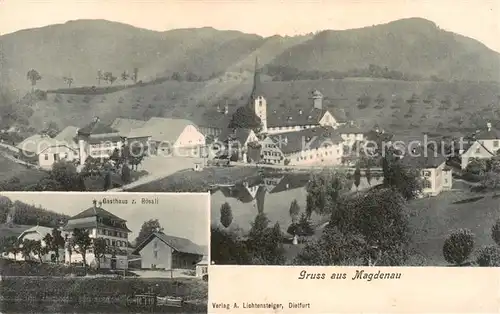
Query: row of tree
point(287, 73)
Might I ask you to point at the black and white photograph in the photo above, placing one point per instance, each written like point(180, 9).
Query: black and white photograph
point(360, 133)
point(104, 253)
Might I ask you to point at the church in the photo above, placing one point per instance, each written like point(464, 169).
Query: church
point(284, 120)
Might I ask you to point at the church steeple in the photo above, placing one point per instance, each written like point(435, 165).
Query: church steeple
point(256, 89)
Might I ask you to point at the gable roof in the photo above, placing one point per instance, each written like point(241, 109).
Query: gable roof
point(423, 158)
point(38, 143)
point(482, 150)
point(313, 138)
point(239, 134)
point(487, 134)
point(240, 191)
point(162, 129)
point(292, 117)
point(292, 181)
point(96, 211)
point(68, 134)
point(124, 125)
point(36, 229)
point(96, 127)
point(180, 245)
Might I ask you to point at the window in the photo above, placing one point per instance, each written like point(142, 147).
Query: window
point(155, 244)
point(155, 254)
point(427, 184)
point(113, 243)
point(46, 156)
point(107, 241)
point(478, 150)
point(495, 143)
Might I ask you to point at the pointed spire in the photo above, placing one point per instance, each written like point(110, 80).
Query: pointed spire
point(256, 89)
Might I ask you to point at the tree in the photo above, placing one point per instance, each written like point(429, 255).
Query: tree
point(54, 242)
point(302, 228)
point(488, 256)
point(407, 181)
point(38, 249)
point(477, 166)
point(334, 248)
point(68, 80)
point(33, 76)
point(324, 192)
point(100, 249)
point(126, 177)
point(380, 218)
point(227, 249)
point(265, 244)
point(245, 118)
point(458, 246)
point(27, 248)
point(62, 177)
point(176, 76)
point(357, 177)
point(380, 100)
point(226, 215)
point(135, 74)
point(294, 210)
point(81, 244)
point(100, 77)
point(147, 228)
point(495, 232)
point(368, 174)
point(124, 76)
point(107, 181)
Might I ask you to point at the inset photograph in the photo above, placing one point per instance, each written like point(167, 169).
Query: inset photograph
point(104, 253)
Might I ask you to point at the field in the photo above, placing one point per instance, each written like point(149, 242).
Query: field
point(434, 218)
point(439, 107)
point(9, 169)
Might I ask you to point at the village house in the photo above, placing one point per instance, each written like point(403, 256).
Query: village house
point(320, 145)
point(166, 136)
point(100, 223)
point(98, 140)
point(45, 151)
point(485, 145)
point(236, 142)
point(36, 233)
point(436, 176)
point(165, 252)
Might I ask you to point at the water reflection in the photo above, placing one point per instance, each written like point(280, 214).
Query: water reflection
point(272, 195)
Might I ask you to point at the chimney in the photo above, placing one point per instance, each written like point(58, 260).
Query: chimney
point(300, 111)
point(488, 125)
point(100, 204)
point(95, 203)
point(96, 119)
point(226, 109)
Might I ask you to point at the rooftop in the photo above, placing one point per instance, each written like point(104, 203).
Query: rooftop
point(313, 138)
point(180, 245)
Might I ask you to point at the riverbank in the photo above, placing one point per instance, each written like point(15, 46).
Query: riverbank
point(99, 293)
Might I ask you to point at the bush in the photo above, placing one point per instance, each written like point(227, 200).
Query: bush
point(489, 256)
point(458, 246)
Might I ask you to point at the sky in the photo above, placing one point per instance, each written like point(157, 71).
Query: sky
point(479, 19)
point(180, 214)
